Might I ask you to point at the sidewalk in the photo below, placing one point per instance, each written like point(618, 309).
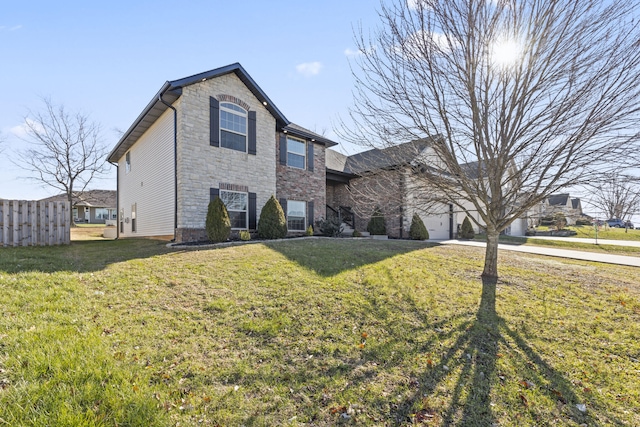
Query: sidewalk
point(561, 253)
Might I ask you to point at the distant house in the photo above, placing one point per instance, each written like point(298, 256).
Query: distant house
point(571, 207)
point(92, 206)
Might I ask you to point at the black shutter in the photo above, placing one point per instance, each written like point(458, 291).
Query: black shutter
point(252, 211)
point(310, 214)
point(283, 149)
point(283, 205)
point(214, 122)
point(214, 193)
point(252, 132)
point(310, 156)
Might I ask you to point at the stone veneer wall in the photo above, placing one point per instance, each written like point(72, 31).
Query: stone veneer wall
point(304, 185)
point(202, 166)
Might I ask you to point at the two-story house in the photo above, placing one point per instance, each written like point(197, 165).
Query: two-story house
point(215, 134)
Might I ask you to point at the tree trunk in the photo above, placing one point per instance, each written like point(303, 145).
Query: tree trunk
point(491, 255)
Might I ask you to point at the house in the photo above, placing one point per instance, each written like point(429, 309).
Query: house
point(571, 207)
point(387, 178)
point(91, 206)
point(215, 134)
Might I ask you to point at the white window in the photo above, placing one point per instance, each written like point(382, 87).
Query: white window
point(237, 205)
point(127, 162)
point(296, 153)
point(113, 214)
point(102, 213)
point(134, 224)
point(296, 215)
point(233, 127)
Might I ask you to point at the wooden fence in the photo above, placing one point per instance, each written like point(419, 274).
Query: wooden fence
point(34, 223)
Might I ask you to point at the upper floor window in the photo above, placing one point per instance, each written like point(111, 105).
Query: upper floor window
point(127, 162)
point(233, 127)
point(296, 150)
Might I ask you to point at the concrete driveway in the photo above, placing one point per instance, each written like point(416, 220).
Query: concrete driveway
point(562, 253)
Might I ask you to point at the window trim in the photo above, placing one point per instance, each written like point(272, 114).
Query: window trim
point(304, 216)
point(244, 114)
point(246, 211)
point(304, 150)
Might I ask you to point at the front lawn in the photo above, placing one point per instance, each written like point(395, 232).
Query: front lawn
point(313, 332)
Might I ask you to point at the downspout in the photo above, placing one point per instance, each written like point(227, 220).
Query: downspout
point(117, 199)
point(175, 165)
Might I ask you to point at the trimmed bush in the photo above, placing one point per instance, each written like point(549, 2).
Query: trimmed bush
point(356, 233)
point(418, 231)
point(245, 235)
point(331, 227)
point(272, 223)
point(560, 221)
point(466, 230)
point(376, 224)
point(309, 231)
point(218, 225)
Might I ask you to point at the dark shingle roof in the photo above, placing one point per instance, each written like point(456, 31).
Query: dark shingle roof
point(377, 158)
point(298, 130)
point(558, 199)
point(89, 198)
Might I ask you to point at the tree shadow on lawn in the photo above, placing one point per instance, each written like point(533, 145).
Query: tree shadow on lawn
point(328, 257)
point(475, 356)
point(79, 256)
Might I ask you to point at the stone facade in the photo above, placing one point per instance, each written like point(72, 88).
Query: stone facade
point(202, 166)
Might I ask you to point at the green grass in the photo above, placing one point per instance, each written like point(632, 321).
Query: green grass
point(313, 332)
point(604, 232)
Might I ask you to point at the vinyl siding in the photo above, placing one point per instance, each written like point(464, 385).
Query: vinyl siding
point(150, 182)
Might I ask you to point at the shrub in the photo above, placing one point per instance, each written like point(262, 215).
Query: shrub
point(218, 225)
point(272, 223)
point(466, 230)
point(418, 231)
point(245, 235)
point(331, 227)
point(560, 221)
point(583, 221)
point(356, 233)
point(376, 224)
point(309, 231)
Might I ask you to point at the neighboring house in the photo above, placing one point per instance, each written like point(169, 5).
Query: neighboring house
point(571, 207)
point(386, 178)
point(215, 134)
point(91, 206)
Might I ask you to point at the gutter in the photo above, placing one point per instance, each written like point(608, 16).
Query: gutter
point(175, 164)
point(117, 198)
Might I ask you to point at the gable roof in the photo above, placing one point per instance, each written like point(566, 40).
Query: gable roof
point(171, 91)
point(89, 198)
point(558, 199)
point(377, 158)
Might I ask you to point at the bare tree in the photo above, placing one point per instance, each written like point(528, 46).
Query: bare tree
point(518, 98)
point(617, 197)
point(65, 150)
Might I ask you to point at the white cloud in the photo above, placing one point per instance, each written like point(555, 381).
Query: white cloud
point(14, 28)
point(351, 52)
point(309, 69)
point(21, 130)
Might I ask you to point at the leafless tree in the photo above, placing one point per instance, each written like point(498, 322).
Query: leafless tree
point(65, 151)
point(617, 197)
point(519, 98)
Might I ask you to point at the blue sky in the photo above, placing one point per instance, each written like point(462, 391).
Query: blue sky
point(108, 59)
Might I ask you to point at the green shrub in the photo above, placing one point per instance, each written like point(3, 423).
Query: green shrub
point(272, 223)
point(331, 227)
point(418, 231)
point(245, 235)
point(309, 230)
point(218, 225)
point(356, 233)
point(376, 224)
point(466, 230)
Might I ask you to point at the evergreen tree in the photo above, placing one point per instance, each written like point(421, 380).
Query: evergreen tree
point(418, 231)
point(272, 223)
point(218, 224)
